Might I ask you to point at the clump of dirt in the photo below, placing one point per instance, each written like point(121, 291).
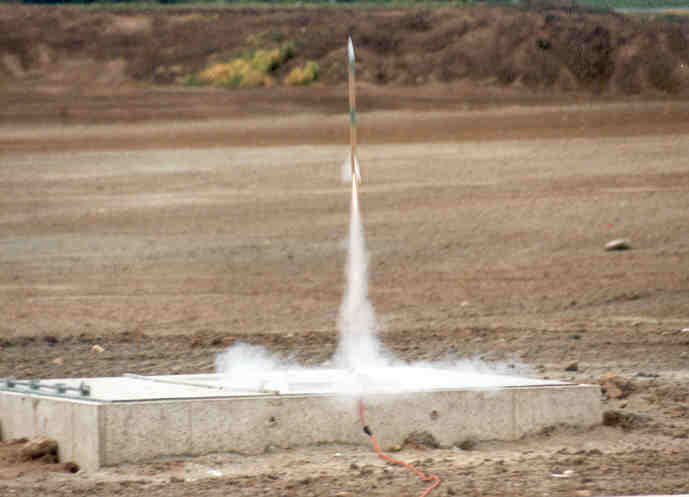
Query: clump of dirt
point(21, 456)
point(615, 387)
point(421, 440)
point(625, 420)
point(39, 448)
point(540, 48)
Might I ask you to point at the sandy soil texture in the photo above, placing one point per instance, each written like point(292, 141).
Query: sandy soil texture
point(166, 223)
point(486, 240)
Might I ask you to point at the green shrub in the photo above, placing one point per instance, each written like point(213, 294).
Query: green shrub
point(304, 75)
point(248, 71)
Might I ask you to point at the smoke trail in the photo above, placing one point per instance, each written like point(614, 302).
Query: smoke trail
point(362, 364)
point(358, 346)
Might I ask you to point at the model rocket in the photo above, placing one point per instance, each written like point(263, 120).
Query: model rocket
point(353, 161)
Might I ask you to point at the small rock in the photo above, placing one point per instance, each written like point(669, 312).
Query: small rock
point(48, 459)
point(565, 474)
point(394, 448)
point(615, 387)
point(573, 366)
point(644, 374)
point(619, 244)
point(70, 467)
point(176, 479)
point(37, 448)
point(468, 444)
point(344, 494)
point(584, 493)
point(625, 420)
point(421, 440)
point(612, 418)
point(612, 390)
point(58, 361)
point(98, 349)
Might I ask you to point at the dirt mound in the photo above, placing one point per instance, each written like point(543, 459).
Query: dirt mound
point(565, 50)
point(21, 456)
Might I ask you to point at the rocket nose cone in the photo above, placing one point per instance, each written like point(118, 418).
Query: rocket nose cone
point(350, 49)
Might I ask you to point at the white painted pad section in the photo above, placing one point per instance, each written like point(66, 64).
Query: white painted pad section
point(403, 379)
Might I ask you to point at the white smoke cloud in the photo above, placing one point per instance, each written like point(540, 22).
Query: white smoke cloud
point(253, 368)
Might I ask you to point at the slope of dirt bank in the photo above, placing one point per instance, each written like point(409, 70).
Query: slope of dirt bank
point(559, 50)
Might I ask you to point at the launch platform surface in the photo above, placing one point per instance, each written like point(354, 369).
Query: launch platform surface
point(107, 421)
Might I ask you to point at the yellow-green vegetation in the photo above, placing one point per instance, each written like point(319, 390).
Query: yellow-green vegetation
point(308, 73)
point(248, 71)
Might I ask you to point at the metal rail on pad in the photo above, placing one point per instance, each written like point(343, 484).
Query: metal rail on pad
point(172, 382)
point(197, 384)
point(40, 388)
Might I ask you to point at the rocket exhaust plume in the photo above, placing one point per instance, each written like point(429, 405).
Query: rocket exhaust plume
point(358, 346)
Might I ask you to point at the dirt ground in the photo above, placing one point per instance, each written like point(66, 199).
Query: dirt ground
point(164, 251)
point(558, 50)
point(166, 224)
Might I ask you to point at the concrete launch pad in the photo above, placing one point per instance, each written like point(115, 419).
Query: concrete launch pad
point(107, 421)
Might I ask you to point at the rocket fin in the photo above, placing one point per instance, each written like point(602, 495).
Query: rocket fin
point(347, 172)
point(357, 172)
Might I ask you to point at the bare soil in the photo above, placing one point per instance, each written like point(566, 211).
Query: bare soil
point(166, 256)
point(559, 50)
point(167, 224)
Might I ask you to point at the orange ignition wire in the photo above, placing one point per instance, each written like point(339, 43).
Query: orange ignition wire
point(434, 478)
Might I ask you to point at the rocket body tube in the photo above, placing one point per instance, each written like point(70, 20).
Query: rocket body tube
point(351, 83)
